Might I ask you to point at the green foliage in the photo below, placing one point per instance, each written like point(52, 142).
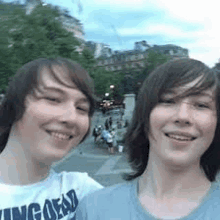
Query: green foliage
point(87, 60)
point(155, 59)
point(134, 77)
point(39, 34)
point(102, 80)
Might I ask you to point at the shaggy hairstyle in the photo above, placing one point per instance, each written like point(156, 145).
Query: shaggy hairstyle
point(173, 74)
point(26, 82)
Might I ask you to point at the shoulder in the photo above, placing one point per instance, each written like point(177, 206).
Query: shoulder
point(215, 191)
point(113, 202)
point(69, 176)
point(82, 183)
point(210, 204)
point(79, 178)
point(111, 194)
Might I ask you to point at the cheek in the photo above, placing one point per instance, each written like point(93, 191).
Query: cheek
point(31, 121)
point(86, 124)
point(208, 125)
point(46, 110)
point(158, 118)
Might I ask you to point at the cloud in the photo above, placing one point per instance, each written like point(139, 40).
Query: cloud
point(204, 49)
point(191, 24)
point(152, 29)
point(195, 11)
point(122, 4)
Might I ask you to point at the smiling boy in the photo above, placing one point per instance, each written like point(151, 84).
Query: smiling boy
point(46, 113)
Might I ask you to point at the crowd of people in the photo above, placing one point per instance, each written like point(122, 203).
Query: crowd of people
point(172, 140)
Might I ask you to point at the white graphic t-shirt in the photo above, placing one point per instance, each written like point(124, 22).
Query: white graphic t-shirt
point(56, 197)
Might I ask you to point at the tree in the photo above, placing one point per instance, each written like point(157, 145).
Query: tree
point(102, 80)
point(28, 37)
point(134, 77)
point(87, 59)
point(153, 60)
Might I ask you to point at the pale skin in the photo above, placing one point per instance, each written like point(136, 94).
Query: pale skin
point(173, 184)
point(30, 150)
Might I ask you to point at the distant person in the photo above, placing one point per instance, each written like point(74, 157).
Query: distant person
point(95, 133)
point(126, 123)
point(121, 112)
point(106, 135)
point(119, 124)
point(173, 148)
point(46, 112)
point(103, 111)
point(110, 122)
point(1, 97)
point(107, 124)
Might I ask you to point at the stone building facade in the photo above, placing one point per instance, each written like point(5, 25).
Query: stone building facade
point(99, 49)
point(135, 59)
point(126, 60)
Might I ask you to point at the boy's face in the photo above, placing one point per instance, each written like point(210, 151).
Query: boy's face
point(183, 129)
point(54, 122)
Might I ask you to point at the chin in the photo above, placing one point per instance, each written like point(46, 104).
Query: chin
point(50, 159)
point(179, 162)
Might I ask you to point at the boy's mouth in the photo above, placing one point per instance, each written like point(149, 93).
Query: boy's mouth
point(61, 136)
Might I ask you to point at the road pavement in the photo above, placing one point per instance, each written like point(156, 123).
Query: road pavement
point(96, 161)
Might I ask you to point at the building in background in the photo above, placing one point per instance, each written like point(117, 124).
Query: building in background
point(99, 49)
point(169, 49)
point(135, 59)
point(141, 45)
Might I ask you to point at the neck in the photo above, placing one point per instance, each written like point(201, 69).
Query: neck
point(160, 181)
point(17, 168)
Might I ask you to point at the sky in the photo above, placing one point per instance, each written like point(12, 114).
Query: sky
point(191, 24)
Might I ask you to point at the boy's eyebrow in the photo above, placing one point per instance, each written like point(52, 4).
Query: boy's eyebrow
point(83, 99)
point(203, 94)
point(54, 89)
point(170, 91)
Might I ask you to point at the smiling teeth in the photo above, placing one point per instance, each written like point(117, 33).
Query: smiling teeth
point(178, 137)
point(60, 136)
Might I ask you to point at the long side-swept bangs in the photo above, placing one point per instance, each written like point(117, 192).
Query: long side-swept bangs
point(176, 79)
point(75, 74)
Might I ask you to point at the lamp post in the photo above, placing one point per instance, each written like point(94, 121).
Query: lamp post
point(111, 91)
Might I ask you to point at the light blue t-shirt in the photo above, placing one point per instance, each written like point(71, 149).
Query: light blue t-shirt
point(120, 202)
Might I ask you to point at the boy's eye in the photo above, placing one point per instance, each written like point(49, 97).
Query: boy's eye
point(202, 105)
point(167, 101)
point(83, 109)
point(52, 99)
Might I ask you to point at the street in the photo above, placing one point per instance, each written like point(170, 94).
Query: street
point(104, 168)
